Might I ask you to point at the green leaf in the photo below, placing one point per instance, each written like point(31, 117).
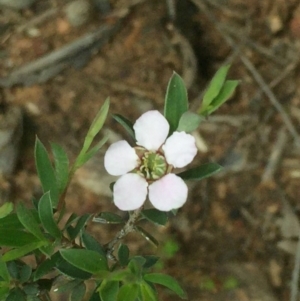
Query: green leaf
point(73, 232)
point(3, 270)
point(25, 273)
point(176, 101)
point(86, 260)
point(44, 268)
point(46, 216)
point(128, 292)
point(94, 129)
point(147, 235)
point(92, 244)
point(16, 295)
point(10, 221)
point(61, 161)
point(189, 122)
point(151, 260)
point(28, 220)
point(155, 216)
point(67, 286)
point(123, 254)
point(22, 251)
point(72, 218)
point(78, 292)
point(166, 281)
point(45, 171)
point(88, 155)
point(108, 290)
point(68, 269)
point(108, 218)
point(127, 124)
point(95, 297)
point(215, 86)
point(4, 289)
point(148, 294)
point(6, 209)
point(225, 93)
point(15, 237)
point(200, 172)
point(136, 265)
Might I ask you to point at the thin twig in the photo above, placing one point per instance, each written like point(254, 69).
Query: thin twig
point(38, 19)
point(275, 156)
point(256, 75)
point(128, 227)
point(295, 275)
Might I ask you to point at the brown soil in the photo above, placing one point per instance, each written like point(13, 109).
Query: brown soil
point(230, 226)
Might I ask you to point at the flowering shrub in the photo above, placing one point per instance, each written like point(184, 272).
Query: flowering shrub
point(64, 255)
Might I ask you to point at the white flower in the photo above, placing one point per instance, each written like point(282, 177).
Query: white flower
point(145, 169)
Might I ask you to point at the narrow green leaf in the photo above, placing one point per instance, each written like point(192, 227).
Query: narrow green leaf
point(46, 216)
point(123, 254)
point(225, 93)
point(28, 221)
point(108, 218)
point(189, 122)
point(46, 172)
point(155, 216)
point(61, 161)
point(72, 218)
point(108, 290)
point(22, 251)
point(86, 260)
point(92, 244)
point(73, 232)
point(96, 126)
point(6, 209)
point(176, 101)
point(128, 292)
point(67, 285)
point(200, 172)
point(148, 294)
point(215, 86)
point(3, 270)
point(15, 237)
point(78, 292)
point(166, 281)
point(147, 235)
point(44, 268)
point(89, 154)
point(126, 124)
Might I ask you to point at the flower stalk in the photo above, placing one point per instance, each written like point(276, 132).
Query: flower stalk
point(128, 227)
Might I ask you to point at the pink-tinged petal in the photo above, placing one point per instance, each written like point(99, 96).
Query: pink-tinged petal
point(130, 192)
point(151, 130)
point(120, 158)
point(169, 192)
point(180, 149)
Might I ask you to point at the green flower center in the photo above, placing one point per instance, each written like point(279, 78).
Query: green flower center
point(153, 166)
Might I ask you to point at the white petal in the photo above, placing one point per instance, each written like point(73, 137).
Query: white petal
point(169, 192)
point(151, 130)
point(120, 158)
point(130, 192)
point(180, 149)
